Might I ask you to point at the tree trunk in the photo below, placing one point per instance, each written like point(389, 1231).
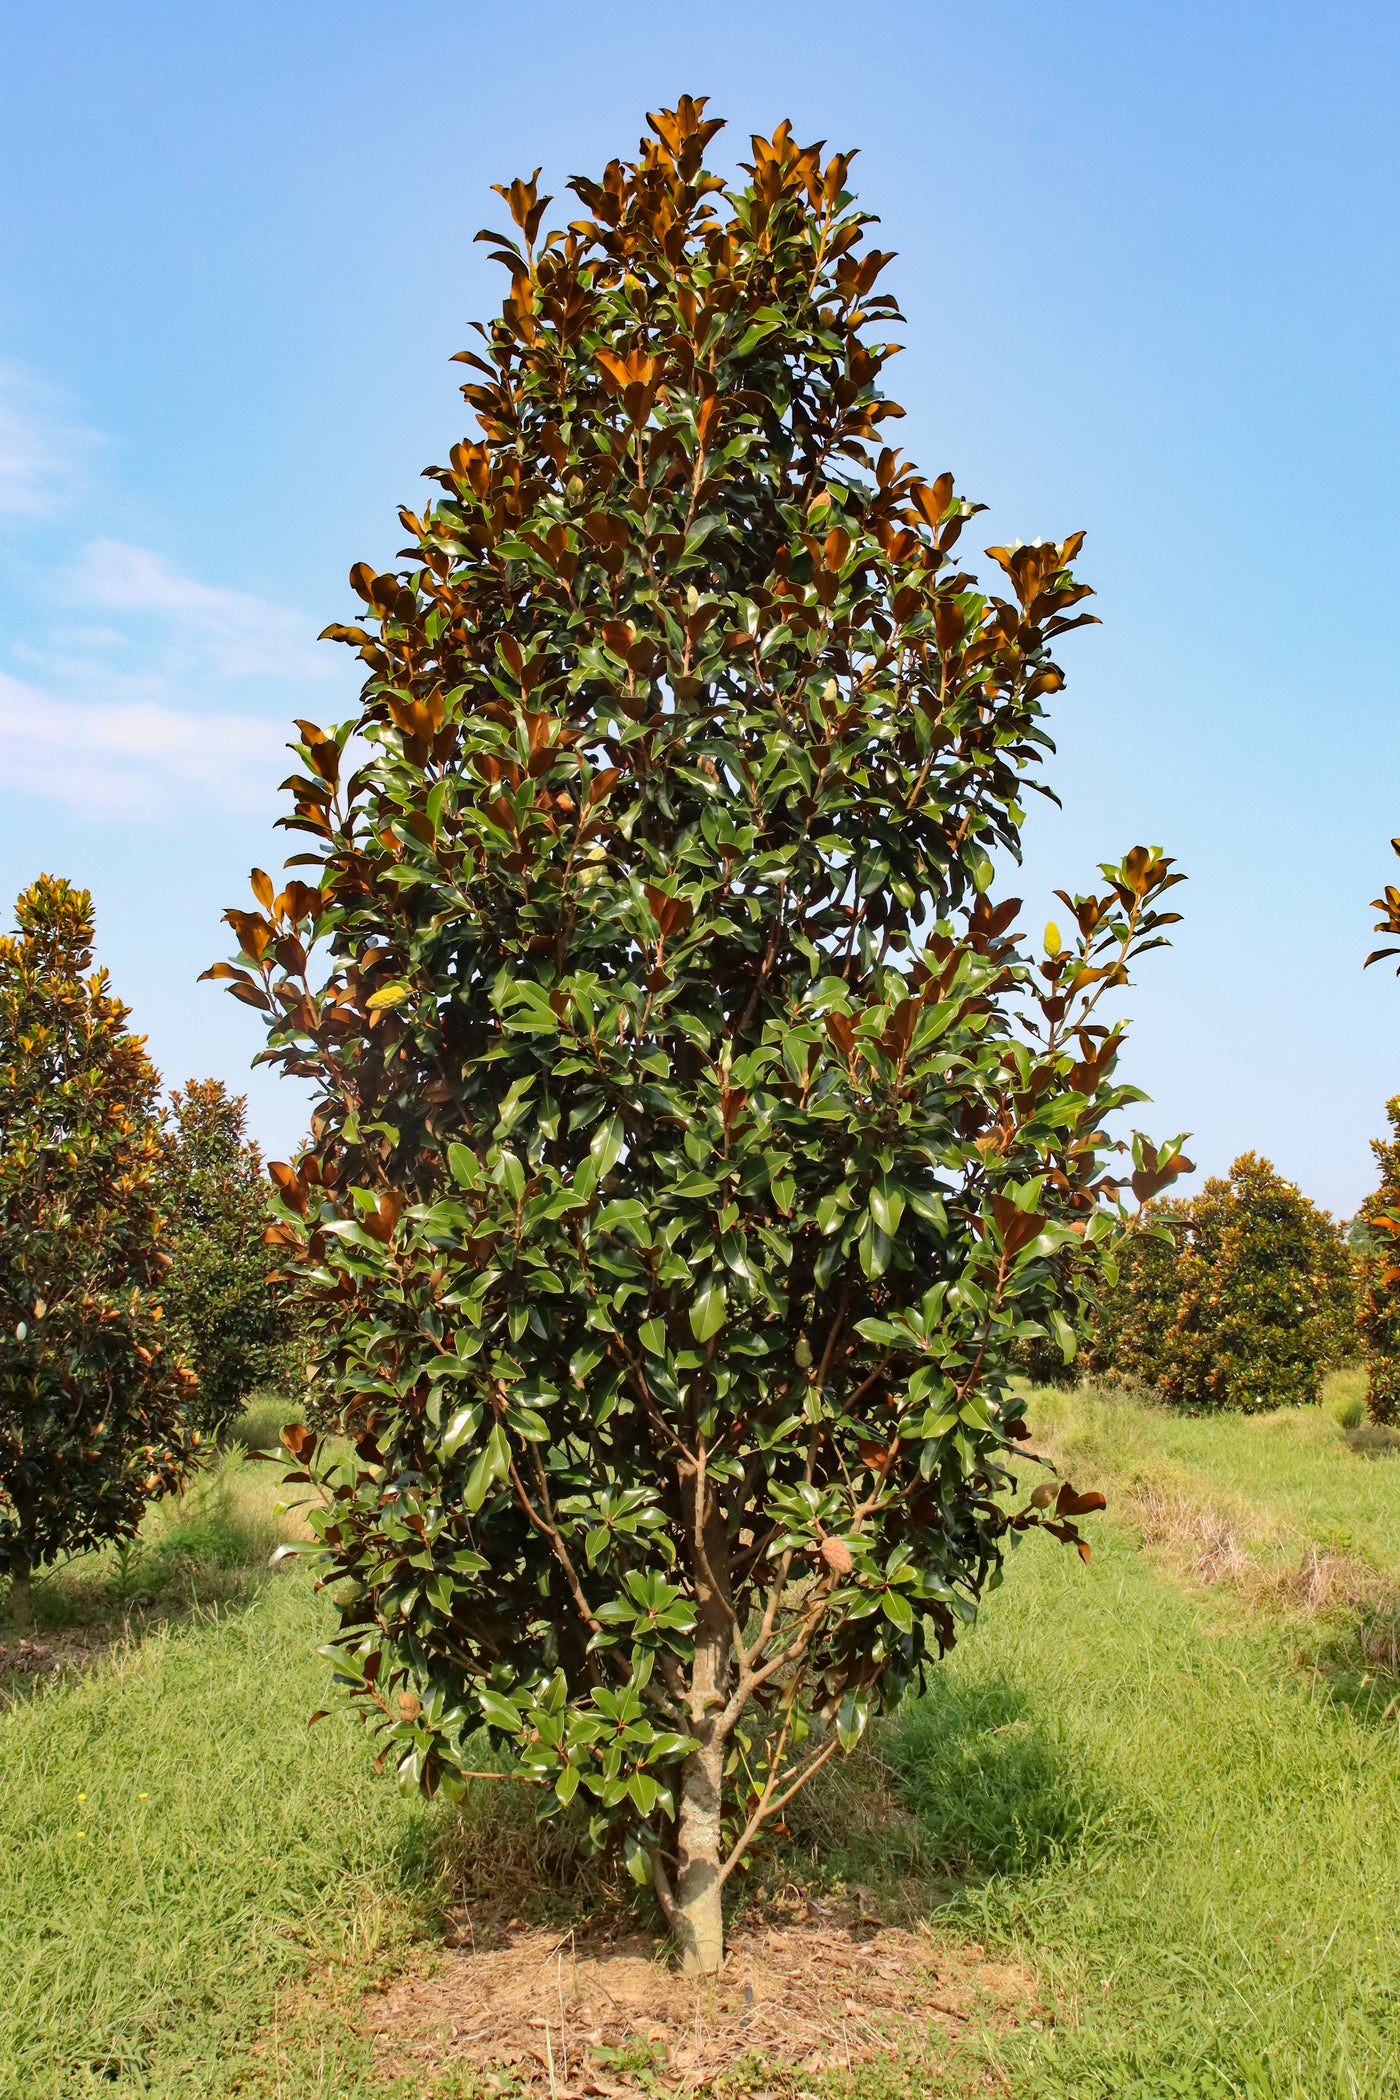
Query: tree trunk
point(21, 1596)
point(699, 1905)
point(699, 1919)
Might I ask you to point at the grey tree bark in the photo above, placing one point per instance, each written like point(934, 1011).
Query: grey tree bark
point(21, 1596)
point(699, 1915)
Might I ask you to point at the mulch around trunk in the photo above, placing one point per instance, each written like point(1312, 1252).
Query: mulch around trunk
point(574, 2016)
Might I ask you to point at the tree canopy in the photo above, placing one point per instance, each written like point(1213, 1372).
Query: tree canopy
point(1244, 1298)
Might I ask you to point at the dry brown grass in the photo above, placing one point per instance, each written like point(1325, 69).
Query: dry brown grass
point(1268, 1562)
point(1207, 1543)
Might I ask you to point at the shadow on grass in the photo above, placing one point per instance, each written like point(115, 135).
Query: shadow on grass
point(1372, 1439)
point(969, 1785)
point(1354, 1662)
point(996, 1789)
point(486, 1863)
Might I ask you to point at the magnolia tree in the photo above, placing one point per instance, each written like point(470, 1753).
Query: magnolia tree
point(94, 1399)
point(1375, 1240)
point(695, 1143)
point(1376, 1233)
point(1243, 1297)
point(231, 1320)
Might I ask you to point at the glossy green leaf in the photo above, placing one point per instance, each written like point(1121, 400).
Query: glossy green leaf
point(708, 1310)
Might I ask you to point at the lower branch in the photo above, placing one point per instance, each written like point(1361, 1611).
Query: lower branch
point(661, 1883)
point(771, 1806)
point(561, 1552)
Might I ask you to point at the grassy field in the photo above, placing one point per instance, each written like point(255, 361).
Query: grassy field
point(1168, 1783)
point(1184, 1801)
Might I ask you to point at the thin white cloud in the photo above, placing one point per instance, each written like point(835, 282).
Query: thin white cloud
point(234, 633)
point(127, 687)
point(42, 456)
point(135, 759)
point(138, 691)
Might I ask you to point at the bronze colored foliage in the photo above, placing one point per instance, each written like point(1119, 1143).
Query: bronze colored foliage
point(94, 1401)
point(1242, 1297)
point(694, 1139)
point(1377, 1241)
point(1388, 905)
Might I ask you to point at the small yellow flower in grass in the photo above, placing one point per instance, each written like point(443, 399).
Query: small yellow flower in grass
point(143, 1797)
point(82, 1833)
point(82, 1797)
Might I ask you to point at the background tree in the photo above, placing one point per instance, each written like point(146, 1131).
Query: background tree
point(1135, 1309)
point(1246, 1304)
point(1376, 1240)
point(694, 1142)
point(232, 1321)
point(1378, 1233)
point(93, 1398)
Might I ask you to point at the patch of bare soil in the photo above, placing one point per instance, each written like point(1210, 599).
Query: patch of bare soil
point(28, 1662)
point(532, 2012)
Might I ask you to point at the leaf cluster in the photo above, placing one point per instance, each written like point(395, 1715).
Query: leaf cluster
point(1388, 905)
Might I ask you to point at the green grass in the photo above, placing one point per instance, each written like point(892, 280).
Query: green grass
point(1123, 1779)
point(176, 1847)
point(177, 1844)
point(210, 1545)
point(1189, 1836)
point(259, 1427)
point(1292, 1472)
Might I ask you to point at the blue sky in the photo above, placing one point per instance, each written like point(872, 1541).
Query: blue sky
point(1147, 253)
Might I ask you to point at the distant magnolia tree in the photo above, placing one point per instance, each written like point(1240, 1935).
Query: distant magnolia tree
point(226, 1311)
point(1377, 1232)
point(1245, 1300)
point(94, 1400)
point(695, 1143)
point(1376, 1238)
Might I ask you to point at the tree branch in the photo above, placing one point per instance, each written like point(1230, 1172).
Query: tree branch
point(770, 1807)
point(661, 1883)
point(561, 1551)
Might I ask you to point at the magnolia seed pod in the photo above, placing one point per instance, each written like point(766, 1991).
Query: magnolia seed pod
point(837, 1555)
point(409, 1707)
